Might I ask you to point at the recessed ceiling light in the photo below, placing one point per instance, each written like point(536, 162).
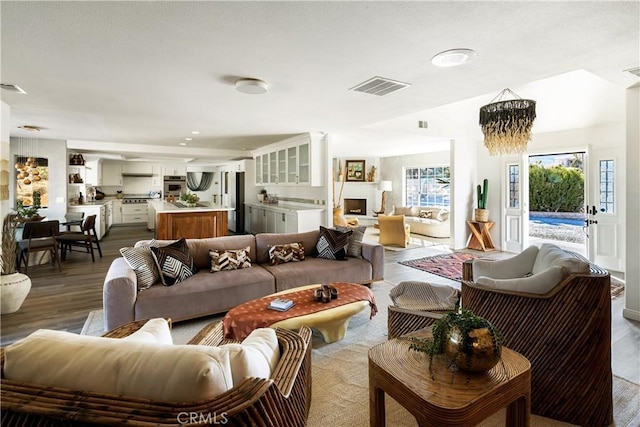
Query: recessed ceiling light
point(188, 139)
point(453, 57)
point(251, 86)
point(183, 143)
point(195, 132)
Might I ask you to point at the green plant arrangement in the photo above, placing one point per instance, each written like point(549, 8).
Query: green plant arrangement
point(189, 198)
point(29, 212)
point(8, 256)
point(482, 194)
point(470, 342)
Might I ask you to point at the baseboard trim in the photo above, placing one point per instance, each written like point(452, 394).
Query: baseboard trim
point(631, 314)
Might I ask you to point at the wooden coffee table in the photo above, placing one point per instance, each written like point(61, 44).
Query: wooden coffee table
point(450, 399)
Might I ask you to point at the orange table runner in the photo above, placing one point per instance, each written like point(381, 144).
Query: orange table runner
point(241, 320)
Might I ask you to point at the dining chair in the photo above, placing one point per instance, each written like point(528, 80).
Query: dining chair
point(39, 237)
point(86, 239)
point(73, 219)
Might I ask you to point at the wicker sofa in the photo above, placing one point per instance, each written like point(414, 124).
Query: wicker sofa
point(282, 400)
point(208, 293)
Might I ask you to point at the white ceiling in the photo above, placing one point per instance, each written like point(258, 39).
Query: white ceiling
point(138, 77)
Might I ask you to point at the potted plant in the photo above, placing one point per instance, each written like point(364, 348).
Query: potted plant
point(29, 213)
point(482, 213)
point(14, 286)
point(262, 195)
point(469, 342)
point(189, 199)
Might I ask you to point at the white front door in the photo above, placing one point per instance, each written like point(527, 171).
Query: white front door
point(515, 204)
point(605, 208)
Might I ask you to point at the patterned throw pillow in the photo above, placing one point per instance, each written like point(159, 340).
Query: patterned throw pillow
point(279, 254)
point(174, 262)
point(141, 260)
point(231, 259)
point(425, 214)
point(355, 240)
point(332, 244)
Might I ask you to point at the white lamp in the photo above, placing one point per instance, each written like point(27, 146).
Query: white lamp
point(384, 186)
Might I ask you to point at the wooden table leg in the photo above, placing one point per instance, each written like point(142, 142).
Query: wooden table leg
point(519, 412)
point(377, 416)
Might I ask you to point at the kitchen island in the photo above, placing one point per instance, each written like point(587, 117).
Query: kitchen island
point(173, 221)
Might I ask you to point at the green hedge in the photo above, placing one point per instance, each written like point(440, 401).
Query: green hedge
point(555, 189)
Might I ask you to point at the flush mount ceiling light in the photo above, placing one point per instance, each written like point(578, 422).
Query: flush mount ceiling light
point(251, 86)
point(30, 128)
point(506, 123)
point(453, 57)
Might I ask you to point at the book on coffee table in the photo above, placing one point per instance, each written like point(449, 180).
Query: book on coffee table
point(280, 304)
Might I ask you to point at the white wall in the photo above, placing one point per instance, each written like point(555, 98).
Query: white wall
point(5, 205)
point(632, 271)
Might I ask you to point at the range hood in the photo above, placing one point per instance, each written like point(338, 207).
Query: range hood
point(138, 174)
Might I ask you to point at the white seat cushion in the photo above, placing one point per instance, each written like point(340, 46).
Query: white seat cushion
point(155, 331)
point(257, 356)
point(161, 372)
point(551, 255)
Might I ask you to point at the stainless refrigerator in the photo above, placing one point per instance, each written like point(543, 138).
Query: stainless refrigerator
point(235, 192)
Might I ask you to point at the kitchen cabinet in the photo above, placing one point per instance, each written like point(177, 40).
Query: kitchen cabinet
point(295, 161)
point(112, 173)
point(108, 215)
point(100, 211)
point(174, 169)
point(93, 172)
point(135, 213)
point(117, 211)
point(276, 219)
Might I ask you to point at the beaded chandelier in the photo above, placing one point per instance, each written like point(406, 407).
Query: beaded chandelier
point(506, 123)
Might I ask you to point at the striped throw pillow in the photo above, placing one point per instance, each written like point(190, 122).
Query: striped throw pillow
point(141, 261)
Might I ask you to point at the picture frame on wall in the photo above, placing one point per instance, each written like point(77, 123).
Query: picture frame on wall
point(355, 170)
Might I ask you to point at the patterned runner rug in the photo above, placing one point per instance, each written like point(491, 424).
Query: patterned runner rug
point(447, 265)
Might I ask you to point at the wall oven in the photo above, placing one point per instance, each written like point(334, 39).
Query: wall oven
point(174, 185)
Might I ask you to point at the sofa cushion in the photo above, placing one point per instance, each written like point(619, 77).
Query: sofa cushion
point(230, 259)
point(141, 260)
point(425, 214)
point(155, 330)
point(289, 252)
point(174, 262)
point(406, 210)
point(539, 283)
point(176, 373)
point(265, 240)
point(332, 244)
point(550, 255)
point(355, 240)
point(257, 356)
point(442, 215)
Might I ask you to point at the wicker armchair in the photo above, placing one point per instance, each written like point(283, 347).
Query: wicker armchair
point(565, 334)
point(283, 400)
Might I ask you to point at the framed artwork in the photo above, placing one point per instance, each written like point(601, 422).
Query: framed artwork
point(355, 170)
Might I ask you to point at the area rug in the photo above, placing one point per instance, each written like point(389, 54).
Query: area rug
point(447, 265)
point(340, 374)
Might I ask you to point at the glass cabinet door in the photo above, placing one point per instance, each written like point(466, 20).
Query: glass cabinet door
point(273, 168)
point(292, 165)
point(303, 163)
point(258, 170)
point(282, 166)
point(265, 168)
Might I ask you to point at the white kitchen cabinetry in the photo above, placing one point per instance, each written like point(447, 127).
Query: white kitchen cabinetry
point(117, 211)
point(274, 219)
point(93, 172)
point(100, 211)
point(174, 169)
point(111, 173)
point(142, 168)
point(108, 215)
point(295, 161)
point(134, 213)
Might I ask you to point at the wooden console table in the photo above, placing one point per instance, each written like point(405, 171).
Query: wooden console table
point(448, 399)
point(480, 238)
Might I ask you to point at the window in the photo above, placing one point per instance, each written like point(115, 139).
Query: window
point(514, 186)
point(607, 172)
point(427, 186)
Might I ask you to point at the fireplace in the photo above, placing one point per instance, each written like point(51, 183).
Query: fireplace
point(355, 206)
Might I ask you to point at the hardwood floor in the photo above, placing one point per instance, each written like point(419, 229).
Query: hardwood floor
point(63, 300)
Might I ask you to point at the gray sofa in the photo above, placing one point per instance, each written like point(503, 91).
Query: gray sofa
point(208, 293)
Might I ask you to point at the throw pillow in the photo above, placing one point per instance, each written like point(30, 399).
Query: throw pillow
point(257, 356)
point(402, 210)
point(231, 259)
point(174, 262)
point(154, 331)
point(425, 214)
point(355, 240)
point(290, 252)
point(141, 260)
point(443, 215)
point(332, 244)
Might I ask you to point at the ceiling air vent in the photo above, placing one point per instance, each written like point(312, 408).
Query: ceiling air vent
point(12, 88)
point(634, 71)
point(380, 86)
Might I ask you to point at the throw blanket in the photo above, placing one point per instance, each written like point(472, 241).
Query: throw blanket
point(424, 296)
point(241, 320)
